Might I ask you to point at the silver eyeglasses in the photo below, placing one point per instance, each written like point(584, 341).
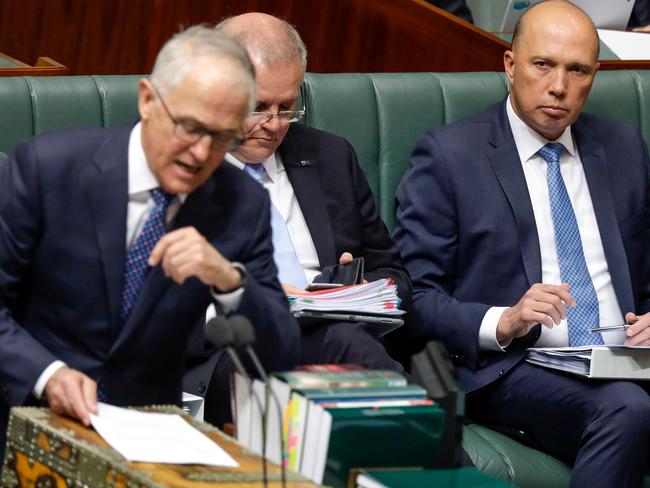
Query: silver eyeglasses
point(284, 116)
point(192, 133)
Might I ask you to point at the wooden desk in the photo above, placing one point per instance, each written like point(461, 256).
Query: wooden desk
point(44, 67)
point(44, 447)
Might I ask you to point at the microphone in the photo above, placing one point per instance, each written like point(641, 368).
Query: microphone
point(244, 336)
point(219, 332)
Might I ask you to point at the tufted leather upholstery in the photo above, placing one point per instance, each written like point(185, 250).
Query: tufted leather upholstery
point(382, 115)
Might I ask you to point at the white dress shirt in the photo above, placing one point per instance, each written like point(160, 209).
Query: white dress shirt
point(528, 142)
point(141, 181)
point(276, 182)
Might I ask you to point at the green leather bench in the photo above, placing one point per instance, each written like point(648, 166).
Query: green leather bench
point(382, 115)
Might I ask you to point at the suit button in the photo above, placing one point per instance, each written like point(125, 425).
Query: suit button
point(202, 387)
point(501, 372)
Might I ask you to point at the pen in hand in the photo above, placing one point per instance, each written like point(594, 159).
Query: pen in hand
point(607, 328)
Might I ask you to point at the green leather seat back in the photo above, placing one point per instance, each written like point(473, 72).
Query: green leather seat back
point(16, 117)
point(118, 95)
point(33, 105)
point(383, 115)
point(344, 104)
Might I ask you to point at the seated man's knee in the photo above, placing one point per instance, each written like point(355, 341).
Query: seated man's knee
point(625, 407)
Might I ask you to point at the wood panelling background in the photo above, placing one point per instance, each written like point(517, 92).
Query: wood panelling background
point(123, 36)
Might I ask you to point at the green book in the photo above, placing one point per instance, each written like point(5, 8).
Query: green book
point(416, 478)
point(380, 437)
point(342, 379)
point(411, 392)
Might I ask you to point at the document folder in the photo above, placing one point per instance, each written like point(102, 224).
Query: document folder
point(603, 362)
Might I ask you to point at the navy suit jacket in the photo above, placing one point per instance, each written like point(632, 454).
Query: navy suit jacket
point(63, 208)
point(338, 205)
point(468, 236)
point(340, 212)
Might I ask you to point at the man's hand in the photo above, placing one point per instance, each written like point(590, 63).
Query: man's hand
point(639, 333)
point(645, 28)
point(72, 393)
point(184, 253)
point(346, 258)
point(541, 304)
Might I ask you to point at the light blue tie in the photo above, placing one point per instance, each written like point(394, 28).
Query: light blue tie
point(136, 268)
point(289, 268)
point(571, 257)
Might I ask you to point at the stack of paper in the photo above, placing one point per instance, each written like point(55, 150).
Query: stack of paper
point(571, 359)
point(377, 297)
point(153, 437)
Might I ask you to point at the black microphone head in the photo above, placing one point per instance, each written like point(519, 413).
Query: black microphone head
point(242, 329)
point(219, 333)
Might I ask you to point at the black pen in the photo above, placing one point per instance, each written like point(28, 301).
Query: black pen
point(607, 328)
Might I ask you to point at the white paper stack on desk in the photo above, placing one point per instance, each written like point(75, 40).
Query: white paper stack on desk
point(606, 362)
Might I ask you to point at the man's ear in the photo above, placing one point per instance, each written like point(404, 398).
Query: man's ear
point(509, 64)
point(146, 98)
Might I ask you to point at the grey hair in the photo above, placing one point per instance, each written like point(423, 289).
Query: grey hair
point(272, 49)
point(180, 55)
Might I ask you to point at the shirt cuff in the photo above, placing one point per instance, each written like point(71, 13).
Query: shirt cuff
point(487, 334)
point(45, 377)
point(228, 302)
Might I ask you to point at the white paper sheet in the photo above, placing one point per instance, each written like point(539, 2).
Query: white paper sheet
point(157, 438)
point(627, 45)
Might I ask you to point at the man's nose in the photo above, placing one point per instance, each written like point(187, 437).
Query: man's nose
point(201, 148)
point(273, 124)
point(558, 85)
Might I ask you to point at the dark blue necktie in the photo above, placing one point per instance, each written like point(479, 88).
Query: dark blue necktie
point(136, 269)
point(571, 257)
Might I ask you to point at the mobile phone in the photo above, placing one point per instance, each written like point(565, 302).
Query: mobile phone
point(322, 286)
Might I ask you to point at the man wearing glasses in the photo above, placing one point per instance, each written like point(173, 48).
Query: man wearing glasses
point(323, 210)
point(114, 242)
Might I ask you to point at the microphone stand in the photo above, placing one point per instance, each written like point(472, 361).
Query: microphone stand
point(244, 336)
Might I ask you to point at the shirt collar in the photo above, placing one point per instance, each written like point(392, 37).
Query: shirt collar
point(272, 165)
point(141, 178)
point(528, 141)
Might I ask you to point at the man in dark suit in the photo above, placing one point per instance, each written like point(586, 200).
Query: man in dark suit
point(114, 241)
point(315, 184)
point(322, 199)
point(531, 235)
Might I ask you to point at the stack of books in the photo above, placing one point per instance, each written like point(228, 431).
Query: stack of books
point(334, 417)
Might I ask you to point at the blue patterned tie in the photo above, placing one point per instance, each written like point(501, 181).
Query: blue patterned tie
point(136, 259)
point(284, 254)
point(573, 267)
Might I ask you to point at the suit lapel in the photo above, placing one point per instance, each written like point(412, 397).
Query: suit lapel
point(596, 173)
point(504, 158)
point(107, 193)
point(302, 171)
point(202, 210)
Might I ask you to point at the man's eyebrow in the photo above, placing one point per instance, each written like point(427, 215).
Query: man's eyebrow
point(289, 101)
point(192, 120)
